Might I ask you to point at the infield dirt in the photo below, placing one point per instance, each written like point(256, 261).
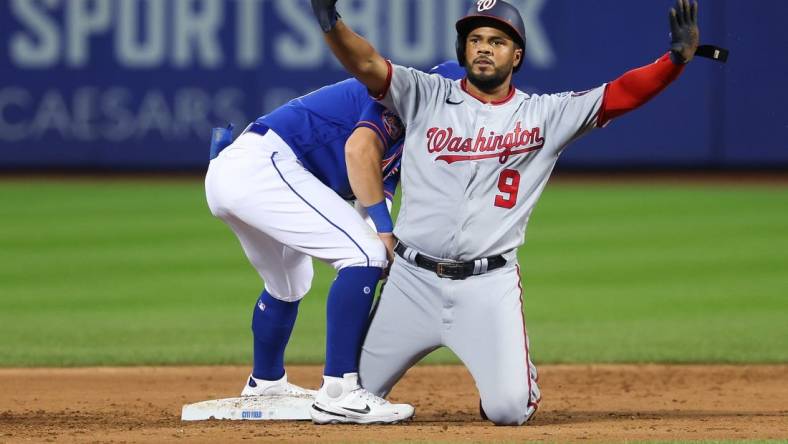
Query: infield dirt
point(596, 403)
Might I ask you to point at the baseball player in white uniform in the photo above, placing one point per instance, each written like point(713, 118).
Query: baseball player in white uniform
point(478, 155)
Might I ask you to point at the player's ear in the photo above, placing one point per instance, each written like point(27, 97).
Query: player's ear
point(519, 54)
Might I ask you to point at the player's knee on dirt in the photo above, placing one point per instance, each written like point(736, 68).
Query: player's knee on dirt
point(371, 253)
point(506, 407)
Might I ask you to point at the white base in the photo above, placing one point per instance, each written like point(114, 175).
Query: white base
point(254, 408)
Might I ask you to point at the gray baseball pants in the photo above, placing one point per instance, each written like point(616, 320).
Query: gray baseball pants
point(479, 318)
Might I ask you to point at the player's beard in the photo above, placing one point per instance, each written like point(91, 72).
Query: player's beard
point(489, 82)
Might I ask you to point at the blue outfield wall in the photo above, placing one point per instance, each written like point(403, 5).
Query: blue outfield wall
point(139, 83)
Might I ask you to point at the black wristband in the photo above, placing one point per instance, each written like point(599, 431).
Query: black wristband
point(713, 52)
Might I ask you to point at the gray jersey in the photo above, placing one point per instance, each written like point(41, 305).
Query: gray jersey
point(472, 172)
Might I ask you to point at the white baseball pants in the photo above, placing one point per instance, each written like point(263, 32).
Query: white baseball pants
point(282, 215)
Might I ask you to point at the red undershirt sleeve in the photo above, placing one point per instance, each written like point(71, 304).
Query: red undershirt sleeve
point(637, 87)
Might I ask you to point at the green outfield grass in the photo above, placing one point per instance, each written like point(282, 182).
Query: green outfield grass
point(126, 272)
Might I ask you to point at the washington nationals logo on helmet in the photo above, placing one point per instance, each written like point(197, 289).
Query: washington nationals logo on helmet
point(484, 5)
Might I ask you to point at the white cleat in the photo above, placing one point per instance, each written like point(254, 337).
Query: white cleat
point(343, 401)
point(262, 387)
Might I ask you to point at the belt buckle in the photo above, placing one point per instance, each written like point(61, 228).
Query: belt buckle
point(443, 270)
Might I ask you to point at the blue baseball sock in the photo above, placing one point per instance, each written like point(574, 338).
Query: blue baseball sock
point(272, 323)
point(347, 315)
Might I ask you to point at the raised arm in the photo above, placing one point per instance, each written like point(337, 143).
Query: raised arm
point(356, 54)
point(638, 86)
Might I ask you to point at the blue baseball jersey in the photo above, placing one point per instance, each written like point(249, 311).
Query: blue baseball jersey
point(317, 125)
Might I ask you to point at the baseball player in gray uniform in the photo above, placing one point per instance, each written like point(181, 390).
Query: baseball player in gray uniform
point(478, 155)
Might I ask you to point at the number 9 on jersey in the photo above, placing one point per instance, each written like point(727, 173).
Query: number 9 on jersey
point(509, 185)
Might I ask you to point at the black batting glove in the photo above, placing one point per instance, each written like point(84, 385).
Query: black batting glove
point(326, 13)
point(684, 32)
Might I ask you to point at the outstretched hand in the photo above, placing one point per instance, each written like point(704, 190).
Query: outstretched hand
point(684, 32)
point(326, 13)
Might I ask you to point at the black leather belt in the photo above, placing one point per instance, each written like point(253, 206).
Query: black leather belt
point(450, 270)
